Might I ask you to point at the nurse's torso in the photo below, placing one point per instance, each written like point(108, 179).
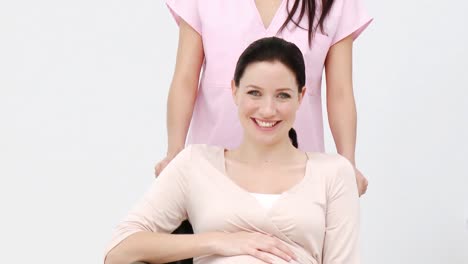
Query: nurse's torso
point(228, 27)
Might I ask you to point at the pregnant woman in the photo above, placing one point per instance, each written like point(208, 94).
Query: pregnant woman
point(263, 201)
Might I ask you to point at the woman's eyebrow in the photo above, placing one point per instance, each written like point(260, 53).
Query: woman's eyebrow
point(254, 86)
point(277, 89)
point(285, 89)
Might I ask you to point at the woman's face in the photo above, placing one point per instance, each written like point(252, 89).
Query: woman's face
point(267, 100)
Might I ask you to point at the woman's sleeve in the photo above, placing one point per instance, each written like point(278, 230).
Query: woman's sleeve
point(163, 207)
point(342, 217)
point(353, 20)
point(186, 10)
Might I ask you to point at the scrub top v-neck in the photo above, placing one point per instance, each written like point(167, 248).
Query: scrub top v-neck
point(227, 27)
point(259, 15)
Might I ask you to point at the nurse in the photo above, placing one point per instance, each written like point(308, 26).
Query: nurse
point(212, 35)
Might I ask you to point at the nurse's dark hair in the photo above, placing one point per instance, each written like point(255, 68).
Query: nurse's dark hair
point(308, 8)
point(274, 49)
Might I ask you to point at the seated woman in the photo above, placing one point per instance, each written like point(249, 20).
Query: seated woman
point(265, 201)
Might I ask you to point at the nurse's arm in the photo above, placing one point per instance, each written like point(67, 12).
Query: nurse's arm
point(184, 86)
point(341, 106)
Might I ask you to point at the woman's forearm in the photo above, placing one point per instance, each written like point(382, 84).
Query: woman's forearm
point(342, 118)
point(161, 248)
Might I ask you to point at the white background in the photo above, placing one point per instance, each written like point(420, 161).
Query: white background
point(83, 89)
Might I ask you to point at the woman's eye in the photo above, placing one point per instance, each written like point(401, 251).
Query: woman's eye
point(284, 95)
point(254, 93)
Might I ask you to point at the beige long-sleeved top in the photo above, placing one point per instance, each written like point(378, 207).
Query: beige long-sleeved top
point(318, 218)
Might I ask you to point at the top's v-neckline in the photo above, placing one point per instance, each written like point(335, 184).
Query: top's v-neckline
point(269, 27)
point(244, 192)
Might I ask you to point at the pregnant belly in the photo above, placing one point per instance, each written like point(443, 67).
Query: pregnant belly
point(241, 259)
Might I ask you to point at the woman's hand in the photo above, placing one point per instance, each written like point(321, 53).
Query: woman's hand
point(361, 182)
point(254, 244)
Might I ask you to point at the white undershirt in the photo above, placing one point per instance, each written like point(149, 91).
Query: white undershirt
point(266, 200)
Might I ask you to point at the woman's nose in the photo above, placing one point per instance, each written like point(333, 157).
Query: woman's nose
point(267, 108)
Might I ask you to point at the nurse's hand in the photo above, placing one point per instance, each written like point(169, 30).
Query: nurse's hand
point(254, 244)
point(162, 164)
point(361, 182)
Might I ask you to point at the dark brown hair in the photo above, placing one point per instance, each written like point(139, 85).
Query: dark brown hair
point(309, 8)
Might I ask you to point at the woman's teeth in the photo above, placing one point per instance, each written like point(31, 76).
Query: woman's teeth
point(265, 124)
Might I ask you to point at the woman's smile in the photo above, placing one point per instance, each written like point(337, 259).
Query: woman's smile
point(265, 125)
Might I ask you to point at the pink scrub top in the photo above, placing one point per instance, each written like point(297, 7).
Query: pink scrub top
point(227, 27)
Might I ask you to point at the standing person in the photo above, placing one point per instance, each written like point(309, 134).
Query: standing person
point(213, 33)
point(264, 201)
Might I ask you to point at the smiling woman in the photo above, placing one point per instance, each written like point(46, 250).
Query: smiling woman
point(264, 201)
point(272, 89)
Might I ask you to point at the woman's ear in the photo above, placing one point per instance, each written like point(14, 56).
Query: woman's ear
point(234, 91)
point(301, 95)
